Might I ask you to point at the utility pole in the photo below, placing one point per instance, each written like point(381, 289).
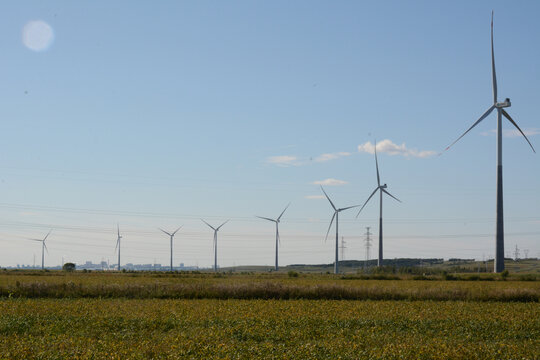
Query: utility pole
point(368, 246)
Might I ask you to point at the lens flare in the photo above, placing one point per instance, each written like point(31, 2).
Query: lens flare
point(37, 35)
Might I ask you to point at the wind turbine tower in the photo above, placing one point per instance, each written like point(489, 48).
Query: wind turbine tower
point(118, 245)
point(278, 240)
point(171, 235)
point(381, 189)
point(43, 249)
point(499, 230)
point(215, 240)
point(336, 216)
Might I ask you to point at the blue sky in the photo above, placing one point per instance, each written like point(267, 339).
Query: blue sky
point(157, 114)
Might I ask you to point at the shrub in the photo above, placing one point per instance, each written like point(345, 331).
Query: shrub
point(292, 274)
point(68, 267)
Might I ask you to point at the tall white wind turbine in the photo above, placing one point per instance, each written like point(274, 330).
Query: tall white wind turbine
point(278, 241)
point(336, 216)
point(171, 235)
point(499, 232)
point(118, 245)
point(215, 240)
point(381, 189)
point(43, 248)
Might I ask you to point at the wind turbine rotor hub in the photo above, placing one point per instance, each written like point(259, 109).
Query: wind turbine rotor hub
point(504, 104)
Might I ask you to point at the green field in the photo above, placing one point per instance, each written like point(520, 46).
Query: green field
point(144, 319)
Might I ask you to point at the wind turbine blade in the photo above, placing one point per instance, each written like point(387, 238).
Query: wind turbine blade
point(476, 123)
point(369, 198)
point(387, 193)
point(516, 125)
point(45, 246)
point(283, 212)
point(493, 64)
point(265, 218)
point(40, 240)
point(331, 203)
point(330, 226)
point(116, 247)
point(377, 165)
point(348, 207)
point(211, 227)
point(278, 237)
point(164, 231)
point(222, 225)
point(175, 231)
point(118, 227)
point(46, 236)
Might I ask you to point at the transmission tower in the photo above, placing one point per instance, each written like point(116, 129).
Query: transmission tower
point(368, 245)
point(343, 247)
point(526, 251)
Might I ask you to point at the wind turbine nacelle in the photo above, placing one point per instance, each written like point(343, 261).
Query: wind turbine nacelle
point(384, 186)
point(504, 104)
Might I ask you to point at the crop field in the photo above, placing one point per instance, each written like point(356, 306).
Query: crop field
point(233, 317)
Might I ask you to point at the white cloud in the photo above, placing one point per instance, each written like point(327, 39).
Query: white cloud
point(314, 197)
point(388, 147)
point(331, 156)
point(283, 160)
point(512, 133)
point(330, 182)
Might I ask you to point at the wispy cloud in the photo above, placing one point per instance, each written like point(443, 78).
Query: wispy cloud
point(292, 160)
point(330, 182)
point(314, 197)
point(388, 147)
point(512, 133)
point(28, 213)
point(283, 160)
point(331, 156)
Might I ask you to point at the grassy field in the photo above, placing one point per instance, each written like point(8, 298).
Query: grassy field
point(488, 287)
point(271, 329)
point(244, 316)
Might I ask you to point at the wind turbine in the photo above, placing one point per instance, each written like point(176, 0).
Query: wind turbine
point(381, 189)
point(277, 231)
point(336, 216)
point(118, 245)
point(499, 235)
point(215, 240)
point(172, 236)
point(43, 248)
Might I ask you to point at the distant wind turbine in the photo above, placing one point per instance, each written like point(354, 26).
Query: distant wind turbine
point(277, 231)
point(172, 236)
point(215, 240)
point(381, 189)
point(336, 216)
point(43, 248)
point(118, 245)
point(499, 236)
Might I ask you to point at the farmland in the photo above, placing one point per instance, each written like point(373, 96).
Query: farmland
point(68, 318)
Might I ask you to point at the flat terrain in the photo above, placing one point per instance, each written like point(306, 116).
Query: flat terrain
point(247, 329)
point(138, 319)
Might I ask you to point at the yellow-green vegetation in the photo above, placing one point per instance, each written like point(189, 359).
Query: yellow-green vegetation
point(269, 329)
point(111, 315)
